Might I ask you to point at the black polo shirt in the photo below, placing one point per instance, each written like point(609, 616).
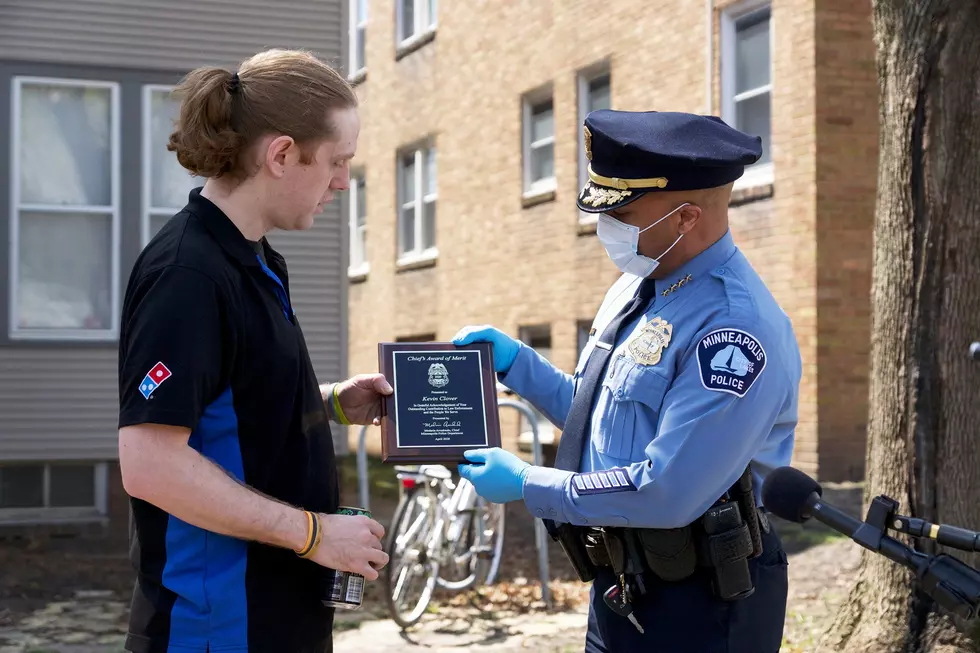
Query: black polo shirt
point(209, 341)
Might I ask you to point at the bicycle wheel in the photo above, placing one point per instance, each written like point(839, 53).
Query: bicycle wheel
point(410, 576)
point(493, 521)
point(459, 568)
point(475, 557)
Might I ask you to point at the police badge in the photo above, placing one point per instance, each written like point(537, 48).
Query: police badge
point(647, 347)
point(438, 375)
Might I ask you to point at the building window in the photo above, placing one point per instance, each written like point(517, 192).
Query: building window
point(39, 492)
point(422, 337)
point(64, 233)
point(417, 204)
point(416, 18)
point(594, 89)
point(358, 32)
point(539, 144)
point(357, 222)
point(747, 81)
point(166, 183)
point(538, 338)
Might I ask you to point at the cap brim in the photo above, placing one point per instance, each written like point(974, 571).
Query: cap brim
point(599, 199)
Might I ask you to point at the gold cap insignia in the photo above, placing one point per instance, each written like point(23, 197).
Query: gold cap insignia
point(594, 195)
point(588, 143)
point(648, 346)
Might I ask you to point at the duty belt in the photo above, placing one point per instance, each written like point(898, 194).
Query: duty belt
point(721, 540)
point(668, 547)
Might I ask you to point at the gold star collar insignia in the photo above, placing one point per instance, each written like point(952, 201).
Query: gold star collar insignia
point(677, 284)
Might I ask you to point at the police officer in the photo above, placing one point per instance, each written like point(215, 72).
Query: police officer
point(687, 387)
point(224, 440)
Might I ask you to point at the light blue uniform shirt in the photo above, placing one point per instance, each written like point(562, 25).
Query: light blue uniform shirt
point(704, 382)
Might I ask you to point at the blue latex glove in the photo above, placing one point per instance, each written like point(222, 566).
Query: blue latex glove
point(501, 476)
point(504, 347)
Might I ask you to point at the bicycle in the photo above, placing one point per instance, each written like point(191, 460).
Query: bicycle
point(442, 534)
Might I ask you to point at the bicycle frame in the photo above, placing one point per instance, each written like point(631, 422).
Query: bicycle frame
point(448, 503)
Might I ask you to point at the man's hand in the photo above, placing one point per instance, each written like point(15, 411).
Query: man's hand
point(505, 348)
point(360, 397)
point(501, 476)
point(351, 543)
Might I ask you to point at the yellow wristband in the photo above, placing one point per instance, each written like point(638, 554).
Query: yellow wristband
point(313, 539)
point(338, 411)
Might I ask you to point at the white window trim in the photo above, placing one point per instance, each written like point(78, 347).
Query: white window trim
point(145, 162)
point(548, 184)
point(759, 175)
point(418, 254)
point(62, 515)
point(362, 268)
point(115, 129)
point(586, 77)
point(352, 28)
point(424, 23)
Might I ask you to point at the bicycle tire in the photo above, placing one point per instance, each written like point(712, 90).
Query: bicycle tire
point(490, 571)
point(405, 620)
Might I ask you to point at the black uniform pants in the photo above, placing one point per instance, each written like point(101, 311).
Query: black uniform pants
point(686, 617)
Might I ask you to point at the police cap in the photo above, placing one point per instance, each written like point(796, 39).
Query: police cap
point(631, 153)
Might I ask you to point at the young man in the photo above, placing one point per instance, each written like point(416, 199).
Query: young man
point(224, 441)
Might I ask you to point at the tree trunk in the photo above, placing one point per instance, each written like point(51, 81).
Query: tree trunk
point(924, 421)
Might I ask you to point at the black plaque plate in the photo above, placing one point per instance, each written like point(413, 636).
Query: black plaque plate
point(444, 401)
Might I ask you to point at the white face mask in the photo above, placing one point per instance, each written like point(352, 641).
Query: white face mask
point(621, 241)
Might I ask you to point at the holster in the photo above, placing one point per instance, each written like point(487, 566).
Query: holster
point(570, 539)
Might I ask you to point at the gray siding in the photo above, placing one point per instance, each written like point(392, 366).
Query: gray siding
point(57, 403)
point(59, 400)
point(164, 34)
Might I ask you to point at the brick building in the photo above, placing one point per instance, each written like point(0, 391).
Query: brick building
point(471, 158)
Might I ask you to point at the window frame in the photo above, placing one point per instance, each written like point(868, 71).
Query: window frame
point(421, 28)
point(354, 232)
point(61, 515)
point(529, 102)
point(419, 253)
point(527, 334)
point(585, 78)
point(147, 210)
point(758, 174)
point(353, 28)
point(114, 211)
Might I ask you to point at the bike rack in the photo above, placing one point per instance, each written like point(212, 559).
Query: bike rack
point(540, 536)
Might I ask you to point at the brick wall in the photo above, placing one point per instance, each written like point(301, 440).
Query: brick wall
point(509, 265)
point(847, 157)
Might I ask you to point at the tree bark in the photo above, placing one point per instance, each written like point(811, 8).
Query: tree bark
point(924, 422)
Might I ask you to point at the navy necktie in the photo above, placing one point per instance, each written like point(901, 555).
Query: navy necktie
point(573, 437)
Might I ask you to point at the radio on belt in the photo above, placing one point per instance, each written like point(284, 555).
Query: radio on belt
point(345, 589)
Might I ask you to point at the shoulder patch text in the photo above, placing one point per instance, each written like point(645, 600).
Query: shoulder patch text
point(730, 361)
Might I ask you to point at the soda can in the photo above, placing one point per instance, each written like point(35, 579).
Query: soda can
point(345, 589)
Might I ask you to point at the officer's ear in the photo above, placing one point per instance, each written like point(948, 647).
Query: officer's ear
point(688, 216)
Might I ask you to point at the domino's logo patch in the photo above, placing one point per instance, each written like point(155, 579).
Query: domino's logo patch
point(604, 482)
point(730, 361)
point(157, 375)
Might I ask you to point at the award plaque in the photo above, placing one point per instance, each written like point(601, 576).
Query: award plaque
point(444, 401)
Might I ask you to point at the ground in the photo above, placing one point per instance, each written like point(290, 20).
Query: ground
point(70, 595)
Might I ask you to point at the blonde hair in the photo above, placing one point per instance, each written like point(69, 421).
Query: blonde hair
point(222, 114)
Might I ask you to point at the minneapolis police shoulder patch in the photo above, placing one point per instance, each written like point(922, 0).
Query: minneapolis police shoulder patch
point(730, 361)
